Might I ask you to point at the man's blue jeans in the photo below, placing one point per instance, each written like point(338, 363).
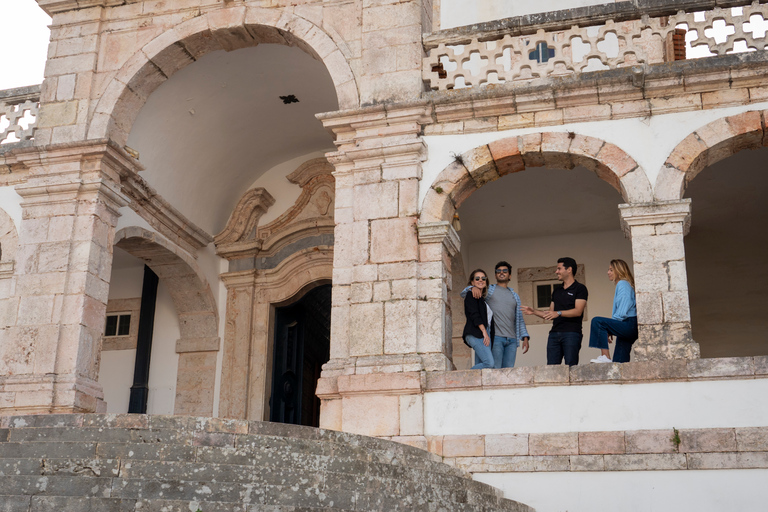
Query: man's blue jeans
point(564, 345)
point(504, 351)
point(483, 354)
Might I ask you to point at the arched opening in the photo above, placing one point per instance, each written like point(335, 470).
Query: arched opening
point(184, 333)
point(724, 248)
point(530, 219)
point(302, 332)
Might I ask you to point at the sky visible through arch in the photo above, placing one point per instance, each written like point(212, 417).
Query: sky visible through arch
point(23, 43)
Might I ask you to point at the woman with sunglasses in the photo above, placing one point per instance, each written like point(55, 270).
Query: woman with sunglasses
point(478, 331)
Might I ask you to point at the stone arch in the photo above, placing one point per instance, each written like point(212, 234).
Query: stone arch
point(706, 146)
point(196, 309)
point(226, 28)
point(487, 163)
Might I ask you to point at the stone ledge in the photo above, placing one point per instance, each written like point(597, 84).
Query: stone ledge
point(631, 450)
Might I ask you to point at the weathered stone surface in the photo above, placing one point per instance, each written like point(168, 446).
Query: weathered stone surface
point(506, 444)
point(601, 442)
point(645, 462)
point(554, 444)
point(649, 441)
point(707, 440)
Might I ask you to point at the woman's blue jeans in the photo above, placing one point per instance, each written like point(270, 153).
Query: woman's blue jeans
point(482, 353)
point(624, 330)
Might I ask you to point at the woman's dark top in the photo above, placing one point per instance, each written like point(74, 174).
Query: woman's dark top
point(477, 315)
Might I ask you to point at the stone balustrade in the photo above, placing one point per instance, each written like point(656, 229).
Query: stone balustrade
point(645, 41)
point(18, 115)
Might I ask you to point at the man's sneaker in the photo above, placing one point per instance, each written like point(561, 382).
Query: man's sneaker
point(602, 359)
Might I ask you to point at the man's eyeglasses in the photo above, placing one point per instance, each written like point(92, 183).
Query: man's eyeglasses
point(478, 278)
point(502, 271)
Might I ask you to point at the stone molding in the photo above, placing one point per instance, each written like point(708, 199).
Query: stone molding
point(630, 450)
point(661, 212)
point(242, 224)
point(440, 232)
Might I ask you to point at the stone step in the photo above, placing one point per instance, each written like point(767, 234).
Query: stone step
point(148, 463)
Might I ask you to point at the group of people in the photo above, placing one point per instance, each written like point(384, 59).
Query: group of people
point(495, 324)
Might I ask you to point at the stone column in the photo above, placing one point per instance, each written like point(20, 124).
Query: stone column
point(50, 357)
point(661, 284)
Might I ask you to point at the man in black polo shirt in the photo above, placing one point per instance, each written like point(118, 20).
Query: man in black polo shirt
point(567, 313)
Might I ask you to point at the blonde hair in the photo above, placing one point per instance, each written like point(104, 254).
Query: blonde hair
point(622, 272)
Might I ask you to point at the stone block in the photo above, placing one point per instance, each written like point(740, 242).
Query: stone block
point(382, 291)
point(463, 446)
point(371, 415)
point(721, 367)
point(412, 415)
point(742, 460)
point(461, 379)
point(394, 271)
point(754, 439)
point(366, 329)
point(761, 365)
point(600, 443)
point(330, 414)
point(630, 109)
point(676, 307)
point(649, 307)
point(686, 153)
point(522, 375)
point(506, 156)
point(361, 292)
point(548, 117)
point(724, 98)
point(551, 374)
point(405, 289)
point(435, 444)
point(506, 444)
point(375, 201)
point(551, 463)
point(669, 104)
point(579, 114)
point(409, 198)
point(707, 440)
point(587, 463)
point(481, 166)
point(675, 369)
point(596, 373)
point(616, 159)
point(554, 444)
point(515, 121)
point(401, 326)
point(394, 240)
point(649, 441)
point(646, 462)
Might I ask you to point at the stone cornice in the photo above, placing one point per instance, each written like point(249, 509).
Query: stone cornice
point(656, 213)
point(440, 232)
point(52, 7)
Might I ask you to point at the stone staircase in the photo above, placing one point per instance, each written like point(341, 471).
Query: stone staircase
point(121, 463)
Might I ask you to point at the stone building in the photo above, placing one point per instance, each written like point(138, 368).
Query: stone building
point(265, 209)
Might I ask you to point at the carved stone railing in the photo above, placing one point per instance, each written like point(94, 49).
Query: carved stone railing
point(644, 41)
point(18, 116)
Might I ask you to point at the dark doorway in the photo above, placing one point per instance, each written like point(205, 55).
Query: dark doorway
point(302, 347)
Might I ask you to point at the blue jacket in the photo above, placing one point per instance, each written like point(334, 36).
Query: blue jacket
point(520, 328)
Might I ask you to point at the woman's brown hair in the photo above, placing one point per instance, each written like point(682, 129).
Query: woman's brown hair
point(472, 278)
point(622, 272)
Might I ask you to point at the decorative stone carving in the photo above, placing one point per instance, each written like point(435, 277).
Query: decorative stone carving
point(268, 265)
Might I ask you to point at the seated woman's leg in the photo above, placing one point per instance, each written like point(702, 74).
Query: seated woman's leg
point(598, 333)
point(626, 334)
point(482, 352)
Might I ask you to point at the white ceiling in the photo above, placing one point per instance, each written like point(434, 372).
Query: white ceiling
point(217, 125)
point(540, 202)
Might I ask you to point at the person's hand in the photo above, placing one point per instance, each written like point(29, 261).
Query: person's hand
point(525, 345)
point(610, 338)
point(486, 339)
point(527, 310)
point(477, 292)
point(550, 315)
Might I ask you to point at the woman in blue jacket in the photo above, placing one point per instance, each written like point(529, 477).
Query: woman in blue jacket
point(478, 331)
point(623, 321)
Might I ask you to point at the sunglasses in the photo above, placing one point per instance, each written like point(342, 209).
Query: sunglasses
point(502, 271)
point(478, 278)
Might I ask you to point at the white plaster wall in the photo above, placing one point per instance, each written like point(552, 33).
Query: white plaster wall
point(458, 13)
point(741, 490)
point(648, 140)
point(116, 370)
point(594, 250)
point(10, 201)
point(598, 408)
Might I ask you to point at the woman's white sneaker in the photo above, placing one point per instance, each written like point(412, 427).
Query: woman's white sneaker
point(602, 359)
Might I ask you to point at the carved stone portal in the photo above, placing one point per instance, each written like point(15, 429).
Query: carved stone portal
point(270, 265)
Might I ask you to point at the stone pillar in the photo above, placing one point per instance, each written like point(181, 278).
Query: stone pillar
point(388, 293)
point(661, 284)
point(49, 359)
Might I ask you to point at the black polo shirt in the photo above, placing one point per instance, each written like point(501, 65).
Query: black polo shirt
point(565, 299)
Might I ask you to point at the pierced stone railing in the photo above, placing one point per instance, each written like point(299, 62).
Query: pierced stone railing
point(612, 45)
point(18, 115)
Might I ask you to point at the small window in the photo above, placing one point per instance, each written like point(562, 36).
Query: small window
point(118, 325)
point(544, 294)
